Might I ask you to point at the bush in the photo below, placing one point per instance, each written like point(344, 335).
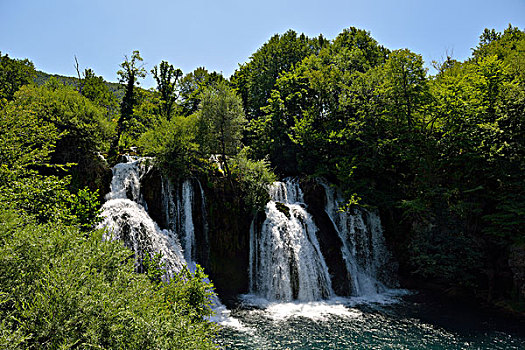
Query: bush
point(172, 143)
point(61, 290)
point(254, 177)
point(82, 125)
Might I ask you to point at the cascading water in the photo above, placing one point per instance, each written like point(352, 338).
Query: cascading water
point(179, 217)
point(363, 244)
point(189, 230)
point(178, 207)
point(125, 218)
point(286, 262)
point(126, 179)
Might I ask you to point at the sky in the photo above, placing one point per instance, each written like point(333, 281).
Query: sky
point(221, 34)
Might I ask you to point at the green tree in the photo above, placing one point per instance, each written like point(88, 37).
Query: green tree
point(254, 179)
point(167, 78)
point(132, 70)
point(14, 73)
point(83, 127)
point(405, 87)
point(220, 122)
point(173, 144)
point(309, 111)
point(29, 136)
point(192, 86)
point(96, 90)
point(255, 79)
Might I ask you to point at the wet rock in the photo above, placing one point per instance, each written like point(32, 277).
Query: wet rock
point(329, 241)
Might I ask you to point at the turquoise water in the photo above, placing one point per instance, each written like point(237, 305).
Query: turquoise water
point(388, 322)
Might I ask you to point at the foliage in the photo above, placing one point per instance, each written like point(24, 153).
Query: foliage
point(404, 88)
point(61, 290)
point(146, 114)
point(220, 121)
point(167, 78)
point(97, 91)
point(255, 80)
point(14, 74)
point(446, 257)
point(172, 143)
point(190, 294)
point(32, 130)
point(26, 140)
point(84, 209)
point(254, 178)
point(193, 84)
point(308, 111)
point(129, 75)
point(83, 127)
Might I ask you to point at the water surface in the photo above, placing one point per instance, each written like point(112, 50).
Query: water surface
point(388, 321)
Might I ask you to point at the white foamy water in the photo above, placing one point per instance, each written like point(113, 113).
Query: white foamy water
point(129, 222)
point(363, 245)
point(286, 262)
point(223, 317)
point(321, 310)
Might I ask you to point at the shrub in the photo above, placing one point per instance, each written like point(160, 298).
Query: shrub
point(254, 178)
point(60, 289)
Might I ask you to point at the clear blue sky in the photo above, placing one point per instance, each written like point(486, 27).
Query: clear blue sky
point(220, 34)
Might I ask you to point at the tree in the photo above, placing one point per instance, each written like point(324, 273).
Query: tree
point(255, 80)
point(193, 84)
point(220, 122)
point(129, 74)
point(405, 88)
point(82, 125)
point(309, 111)
point(172, 143)
point(96, 90)
point(167, 78)
point(14, 74)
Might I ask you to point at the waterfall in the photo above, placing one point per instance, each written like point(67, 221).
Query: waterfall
point(125, 217)
point(178, 207)
point(363, 244)
point(125, 182)
point(188, 230)
point(286, 262)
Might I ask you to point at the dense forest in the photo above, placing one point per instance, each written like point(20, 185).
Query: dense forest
point(441, 157)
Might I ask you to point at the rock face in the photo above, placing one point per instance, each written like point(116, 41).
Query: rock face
point(229, 223)
point(151, 190)
point(517, 266)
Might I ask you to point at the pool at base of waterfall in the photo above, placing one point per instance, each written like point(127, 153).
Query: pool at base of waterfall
point(393, 320)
